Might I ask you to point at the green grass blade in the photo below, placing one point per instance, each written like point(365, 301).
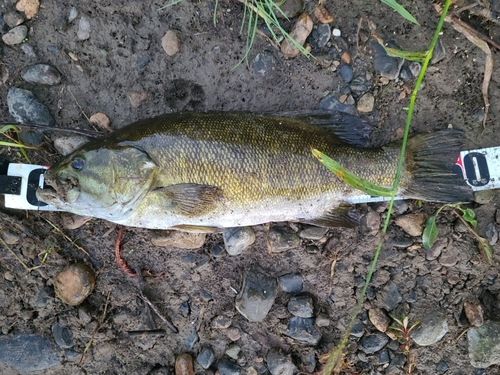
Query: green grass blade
point(401, 10)
point(430, 233)
point(350, 178)
point(485, 249)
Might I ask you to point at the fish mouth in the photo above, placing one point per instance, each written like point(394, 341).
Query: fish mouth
point(57, 191)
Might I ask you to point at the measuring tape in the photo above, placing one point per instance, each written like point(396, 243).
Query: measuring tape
point(18, 182)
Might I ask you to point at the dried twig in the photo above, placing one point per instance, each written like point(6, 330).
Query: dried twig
point(157, 312)
point(67, 238)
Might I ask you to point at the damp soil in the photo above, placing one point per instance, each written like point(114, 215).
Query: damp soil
point(107, 68)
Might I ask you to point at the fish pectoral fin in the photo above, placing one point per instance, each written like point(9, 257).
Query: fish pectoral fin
point(342, 216)
point(191, 199)
point(196, 229)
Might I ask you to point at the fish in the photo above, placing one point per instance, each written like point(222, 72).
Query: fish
point(206, 171)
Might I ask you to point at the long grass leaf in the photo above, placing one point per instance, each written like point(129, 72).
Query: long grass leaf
point(401, 10)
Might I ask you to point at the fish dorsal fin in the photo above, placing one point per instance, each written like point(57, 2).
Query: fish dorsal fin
point(342, 216)
point(191, 199)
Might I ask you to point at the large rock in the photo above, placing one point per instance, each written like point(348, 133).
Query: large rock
point(484, 345)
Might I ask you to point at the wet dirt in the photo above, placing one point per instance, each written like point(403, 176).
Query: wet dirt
point(102, 75)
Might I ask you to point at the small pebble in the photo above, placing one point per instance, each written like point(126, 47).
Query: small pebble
point(13, 19)
point(42, 74)
point(346, 73)
point(15, 35)
point(301, 306)
point(331, 103)
point(73, 13)
point(136, 98)
point(299, 32)
point(439, 52)
point(379, 319)
point(431, 328)
point(383, 357)
point(228, 366)
point(413, 224)
point(415, 68)
point(474, 313)
point(280, 363)
point(358, 329)
point(290, 8)
point(322, 14)
point(191, 339)
point(442, 366)
point(346, 57)
point(62, 336)
point(322, 321)
point(10, 238)
point(291, 283)
point(25, 108)
point(101, 120)
point(184, 309)
point(142, 60)
point(257, 295)
point(233, 333)
point(28, 50)
point(184, 364)
point(312, 232)
point(216, 251)
point(74, 283)
point(29, 7)
point(264, 65)
point(171, 42)
point(391, 297)
point(221, 322)
point(237, 239)
point(336, 32)
point(373, 343)
point(66, 145)
point(206, 357)
point(280, 240)
point(180, 240)
point(233, 351)
point(84, 28)
point(303, 330)
point(492, 234)
point(405, 73)
point(366, 103)
point(323, 33)
point(448, 260)
point(385, 65)
point(435, 251)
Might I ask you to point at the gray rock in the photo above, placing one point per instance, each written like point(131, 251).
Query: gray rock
point(373, 343)
point(484, 344)
point(280, 239)
point(206, 357)
point(28, 50)
point(484, 196)
point(233, 351)
point(346, 73)
point(142, 60)
point(257, 295)
point(216, 251)
point(221, 322)
point(303, 329)
point(184, 309)
point(264, 65)
point(290, 8)
point(330, 103)
point(291, 282)
point(439, 52)
point(391, 297)
point(25, 108)
point(323, 34)
point(405, 73)
point(431, 329)
point(191, 339)
point(28, 353)
point(236, 240)
point(302, 306)
point(384, 64)
point(42, 74)
point(15, 35)
point(13, 19)
point(308, 358)
point(358, 329)
point(442, 366)
point(312, 232)
point(228, 366)
point(62, 336)
point(84, 28)
point(358, 85)
point(31, 138)
point(66, 145)
point(415, 68)
point(383, 357)
point(279, 363)
point(435, 251)
point(492, 233)
point(73, 13)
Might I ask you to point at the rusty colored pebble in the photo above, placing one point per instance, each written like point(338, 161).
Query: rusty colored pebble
point(184, 364)
point(74, 283)
point(346, 58)
point(101, 120)
point(474, 313)
point(300, 32)
point(322, 14)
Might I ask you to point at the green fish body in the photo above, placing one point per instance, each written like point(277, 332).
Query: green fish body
point(218, 170)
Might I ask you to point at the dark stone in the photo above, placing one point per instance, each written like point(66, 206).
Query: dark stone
point(184, 309)
point(373, 343)
point(42, 74)
point(393, 298)
point(303, 329)
point(25, 108)
point(217, 250)
point(302, 306)
point(31, 138)
point(205, 295)
point(264, 65)
point(383, 357)
point(291, 282)
point(189, 259)
point(412, 296)
point(62, 336)
point(384, 64)
point(405, 73)
point(439, 52)
point(28, 353)
point(191, 339)
point(142, 60)
point(358, 85)
point(442, 366)
point(398, 359)
point(322, 35)
point(228, 366)
point(358, 329)
point(330, 103)
point(206, 357)
point(346, 73)
point(279, 363)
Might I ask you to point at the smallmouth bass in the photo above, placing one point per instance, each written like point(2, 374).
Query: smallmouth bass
point(208, 171)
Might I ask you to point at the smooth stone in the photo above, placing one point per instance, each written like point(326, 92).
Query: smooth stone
point(236, 240)
point(358, 84)
point(62, 336)
point(206, 357)
point(280, 363)
point(205, 295)
point(391, 297)
point(10, 238)
point(323, 15)
point(415, 68)
point(474, 313)
point(180, 240)
point(346, 73)
point(373, 343)
point(379, 319)
point(383, 357)
point(300, 31)
point(15, 35)
point(302, 306)
point(448, 260)
point(28, 353)
point(13, 19)
point(290, 8)
point(492, 234)
point(431, 329)
point(384, 64)
point(31, 138)
point(405, 73)
point(435, 251)
point(101, 120)
point(303, 329)
point(484, 196)
point(25, 108)
point(308, 359)
point(412, 224)
point(484, 344)
point(366, 103)
point(73, 13)
point(322, 320)
point(184, 364)
point(142, 60)
point(28, 50)
point(184, 309)
point(66, 145)
point(216, 251)
point(312, 232)
point(257, 295)
point(358, 329)
point(191, 339)
point(291, 282)
point(336, 32)
point(442, 366)
point(228, 366)
point(74, 283)
point(221, 322)
point(171, 42)
point(281, 239)
point(331, 103)
point(233, 351)
point(84, 28)
point(42, 74)
point(323, 34)
point(264, 65)
point(439, 52)
point(233, 333)
point(412, 296)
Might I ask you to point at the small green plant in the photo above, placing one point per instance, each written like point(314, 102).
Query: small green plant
point(15, 143)
point(401, 331)
point(468, 217)
point(401, 10)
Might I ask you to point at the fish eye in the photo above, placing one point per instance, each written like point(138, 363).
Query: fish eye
point(77, 164)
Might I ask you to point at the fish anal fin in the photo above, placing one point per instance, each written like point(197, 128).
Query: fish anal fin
point(341, 216)
point(191, 200)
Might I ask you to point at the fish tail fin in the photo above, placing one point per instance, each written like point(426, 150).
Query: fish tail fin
point(429, 161)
